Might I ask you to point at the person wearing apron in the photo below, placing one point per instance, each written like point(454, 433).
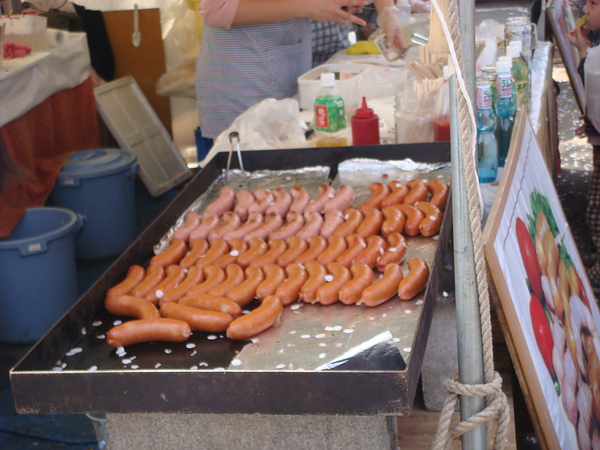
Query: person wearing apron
point(246, 57)
point(589, 69)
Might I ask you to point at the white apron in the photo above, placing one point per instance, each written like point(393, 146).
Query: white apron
point(241, 66)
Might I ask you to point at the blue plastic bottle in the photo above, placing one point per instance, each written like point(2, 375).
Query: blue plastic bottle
point(487, 146)
point(504, 106)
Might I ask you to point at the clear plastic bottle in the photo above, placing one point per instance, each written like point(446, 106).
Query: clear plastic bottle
point(504, 107)
point(330, 115)
point(403, 7)
point(487, 145)
point(520, 72)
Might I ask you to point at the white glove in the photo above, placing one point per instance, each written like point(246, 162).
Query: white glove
point(388, 21)
point(419, 6)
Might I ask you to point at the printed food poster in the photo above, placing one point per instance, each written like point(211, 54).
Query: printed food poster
point(550, 309)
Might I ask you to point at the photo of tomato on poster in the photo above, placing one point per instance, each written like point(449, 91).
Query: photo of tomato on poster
point(551, 310)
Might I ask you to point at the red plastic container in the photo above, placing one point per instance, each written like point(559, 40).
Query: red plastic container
point(365, 126)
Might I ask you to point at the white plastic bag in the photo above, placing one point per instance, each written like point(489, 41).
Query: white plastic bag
point(270, 124)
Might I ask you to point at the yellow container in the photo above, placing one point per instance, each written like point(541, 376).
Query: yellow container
point(194, 5)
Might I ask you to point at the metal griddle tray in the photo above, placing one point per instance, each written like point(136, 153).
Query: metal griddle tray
point(289, 369)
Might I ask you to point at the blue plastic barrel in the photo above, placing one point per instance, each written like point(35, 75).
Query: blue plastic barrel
point(99, 184)
point(37, 273)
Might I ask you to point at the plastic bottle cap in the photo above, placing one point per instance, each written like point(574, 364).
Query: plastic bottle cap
point(364, 112)
point(514, 49)
point(503, 65)
point(328, 79)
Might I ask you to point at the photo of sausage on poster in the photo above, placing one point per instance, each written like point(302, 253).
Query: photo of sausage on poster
point(548, 313)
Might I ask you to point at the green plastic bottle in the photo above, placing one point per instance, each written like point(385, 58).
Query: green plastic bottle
point(520, 72)
point(330, 115)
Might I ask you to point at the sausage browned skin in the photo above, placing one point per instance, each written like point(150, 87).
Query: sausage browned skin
point(256, 321)
point(193, 278)
point(397, 193)
point(191, 220)
point(316, 277)
point(244, 293)
point(352, 220)
point(234, 275)
point(148, 330)
point(379, 192)
point(355, 244)
point(440, 191)
point(212, 303)
point(415, 281)
point(153, 276)
point(329, 292)
point(217, 248)
point(374, 250)
point(277, 247)
point(316, 246)
point(393, 221)
point(362, 277)
point(223, 203)
point(432, 222)
point(413, 219)
point(197, 247)
point(213, 276)
point(396, 250)
point(326, 192)
point(342, 199)
point(130, 306)
point(172, 254)
point(336, 245)
point(417, 192)
point(274, 276)
point(295, 247)
point(236, 248)
point(197, 319)
point(174, 274)
point(289, 290)
point(371, 224)
point(384, 288)
point(254, 221)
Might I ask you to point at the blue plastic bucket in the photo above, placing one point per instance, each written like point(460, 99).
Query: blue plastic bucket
point(99, 184)
point(37, 273)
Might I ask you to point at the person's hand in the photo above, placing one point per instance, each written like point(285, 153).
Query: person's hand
point(338, 11)
point(578, 38)
point(388, 21)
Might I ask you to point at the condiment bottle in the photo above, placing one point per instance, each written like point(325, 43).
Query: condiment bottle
point(365, 126)
point(504, 106)
point(487, 145)
point(330, 115)
point(441, 119)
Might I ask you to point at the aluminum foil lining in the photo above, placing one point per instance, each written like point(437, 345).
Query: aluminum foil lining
point(307, 337)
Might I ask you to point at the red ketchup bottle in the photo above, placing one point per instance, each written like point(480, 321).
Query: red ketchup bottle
point(365, 126)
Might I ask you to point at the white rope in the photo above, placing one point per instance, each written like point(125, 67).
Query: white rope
point(496, 404)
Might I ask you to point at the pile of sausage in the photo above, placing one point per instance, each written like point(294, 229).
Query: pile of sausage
point(277, 247)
